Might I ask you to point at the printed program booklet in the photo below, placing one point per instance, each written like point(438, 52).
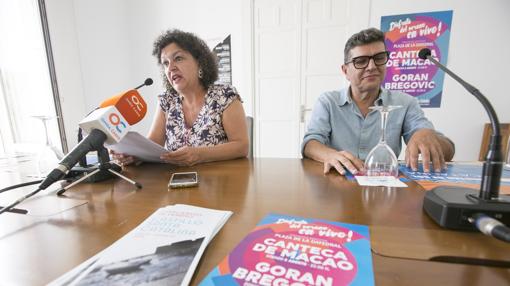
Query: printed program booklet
point(289, 250)
point(163, 250)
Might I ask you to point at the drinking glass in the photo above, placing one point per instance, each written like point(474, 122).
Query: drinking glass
point(48, 155)
point(382, 161)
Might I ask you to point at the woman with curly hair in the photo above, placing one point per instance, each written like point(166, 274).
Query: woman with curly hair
point(196, 120)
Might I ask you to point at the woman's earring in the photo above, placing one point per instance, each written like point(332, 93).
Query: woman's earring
point(200, 73)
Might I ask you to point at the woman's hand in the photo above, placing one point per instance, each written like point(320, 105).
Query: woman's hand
point(184, 156)
point(123, 159)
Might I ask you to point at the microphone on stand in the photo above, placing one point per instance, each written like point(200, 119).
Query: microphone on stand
point(125, 101)
point(125, 97)
point(454, 207)
point(109, 123)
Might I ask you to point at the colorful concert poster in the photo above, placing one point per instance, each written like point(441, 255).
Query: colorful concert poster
point(405, 36)
point(289, 250)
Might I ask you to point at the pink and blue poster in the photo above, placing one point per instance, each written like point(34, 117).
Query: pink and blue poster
point(405, 36)
point(289, 250)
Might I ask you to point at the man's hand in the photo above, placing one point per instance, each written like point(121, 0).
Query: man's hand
point(431, 146)
point(341, 160)
point(185, 156)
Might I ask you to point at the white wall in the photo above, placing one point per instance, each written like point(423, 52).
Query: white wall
point(66, 55)
point(478, 53)
point(104, 47)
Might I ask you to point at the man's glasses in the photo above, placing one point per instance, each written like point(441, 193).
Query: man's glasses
point(362, 61)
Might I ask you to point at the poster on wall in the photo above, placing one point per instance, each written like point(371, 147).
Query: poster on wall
point(223, 52)
point(405, 36)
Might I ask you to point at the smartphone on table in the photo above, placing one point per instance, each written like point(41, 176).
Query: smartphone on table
point(183, 180)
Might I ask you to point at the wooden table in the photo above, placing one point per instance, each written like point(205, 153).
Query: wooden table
point(37, 249)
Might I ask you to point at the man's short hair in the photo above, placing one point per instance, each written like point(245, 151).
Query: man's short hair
point(364, 37)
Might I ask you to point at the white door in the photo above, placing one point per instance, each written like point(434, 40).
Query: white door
point(298, 54)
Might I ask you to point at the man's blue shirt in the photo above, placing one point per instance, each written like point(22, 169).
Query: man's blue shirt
point(338, 123)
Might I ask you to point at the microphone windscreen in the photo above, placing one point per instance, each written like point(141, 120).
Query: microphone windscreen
point(111, 101)
point(130, 104)
point(148, 81)
point(132, 107)
point(424, 53)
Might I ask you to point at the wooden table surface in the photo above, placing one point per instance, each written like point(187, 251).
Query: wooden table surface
point(37, 249)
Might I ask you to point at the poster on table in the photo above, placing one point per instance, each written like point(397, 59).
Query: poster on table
point(291, 250)
point(405, 36)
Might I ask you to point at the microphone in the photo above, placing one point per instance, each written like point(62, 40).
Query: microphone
point(451, 207)
point(116, 115)
point(426, 54)
point(109, 123)
point(124, 96)
point(106, 124)
point(93, 141)
point(148, 81)
point(123, 102)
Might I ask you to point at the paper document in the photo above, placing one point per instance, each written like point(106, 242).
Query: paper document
point(135, 144)
point(383, 181)
point(163, 250)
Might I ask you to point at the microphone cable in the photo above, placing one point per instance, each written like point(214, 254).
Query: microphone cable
point(20, 185)
point(490, 226)
point(20, 200)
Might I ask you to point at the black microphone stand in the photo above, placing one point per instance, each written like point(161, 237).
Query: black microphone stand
point(104, 169)
point(94, 141)
point(455, 207)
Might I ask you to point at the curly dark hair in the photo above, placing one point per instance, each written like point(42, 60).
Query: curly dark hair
point(364, 37)
point(196, 47)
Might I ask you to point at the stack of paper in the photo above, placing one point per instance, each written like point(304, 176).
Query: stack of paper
point(163, 250)
point(136, 145)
